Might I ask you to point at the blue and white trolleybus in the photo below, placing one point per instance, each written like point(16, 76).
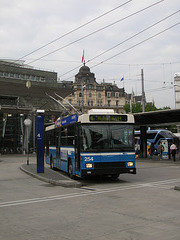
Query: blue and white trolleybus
point(98, 143)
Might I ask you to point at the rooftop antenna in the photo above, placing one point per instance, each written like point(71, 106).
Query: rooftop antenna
point(67, 102)
point(62, 105)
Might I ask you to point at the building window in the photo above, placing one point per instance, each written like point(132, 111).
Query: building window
point(109, 94)
point(80, 94)
point(43, 79)
point(90, 94)
point(99, 87)
point(22, 76)
point(90, 103)
point(6, 74)
point(116, 94)
point(99, 95)
point(89, 86)
point(99, 103)
point(109, 102)
point(117, 103)
point(16, 75)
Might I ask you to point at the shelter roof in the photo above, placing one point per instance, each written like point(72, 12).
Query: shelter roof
point(158, 118)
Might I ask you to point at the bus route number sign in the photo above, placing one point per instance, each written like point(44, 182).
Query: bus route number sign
point(108, 118)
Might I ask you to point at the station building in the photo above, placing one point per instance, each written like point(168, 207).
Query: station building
point(23, 90)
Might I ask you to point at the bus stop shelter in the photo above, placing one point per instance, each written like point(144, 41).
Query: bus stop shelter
point(155, 118)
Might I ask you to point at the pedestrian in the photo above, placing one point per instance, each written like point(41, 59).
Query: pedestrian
point(151, 150)
point(160, 150)
point(173, 150)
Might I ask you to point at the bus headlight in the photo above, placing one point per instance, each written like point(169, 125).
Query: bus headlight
point(130, 164)
point(89, 165)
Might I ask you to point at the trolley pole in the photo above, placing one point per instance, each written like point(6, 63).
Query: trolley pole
point(143, 93)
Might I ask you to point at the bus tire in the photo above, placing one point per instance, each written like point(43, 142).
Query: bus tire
point(70, 169)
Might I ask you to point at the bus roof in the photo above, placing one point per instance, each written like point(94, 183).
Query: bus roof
point(94, 117)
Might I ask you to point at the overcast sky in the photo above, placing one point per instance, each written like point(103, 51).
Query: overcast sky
point(29, 25)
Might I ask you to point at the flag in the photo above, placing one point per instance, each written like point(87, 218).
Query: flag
point(83, 57)
point(122, 79)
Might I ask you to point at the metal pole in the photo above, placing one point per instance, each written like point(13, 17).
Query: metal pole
point(143, 93)
point(27, 123)
point(27, 146)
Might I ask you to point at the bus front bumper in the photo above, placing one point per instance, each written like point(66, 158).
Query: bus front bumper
point(112, 171)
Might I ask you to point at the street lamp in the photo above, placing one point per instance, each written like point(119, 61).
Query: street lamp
point(27, 123)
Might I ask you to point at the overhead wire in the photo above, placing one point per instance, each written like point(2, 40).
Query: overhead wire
point(137, 44)
point(77, 28)
point(90, 34)
point(127, 39)
point(134, 35)
point(156, 89)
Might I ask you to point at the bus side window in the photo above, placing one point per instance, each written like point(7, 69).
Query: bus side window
point(64, 136)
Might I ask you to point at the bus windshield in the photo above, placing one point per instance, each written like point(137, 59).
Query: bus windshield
point(107, 137)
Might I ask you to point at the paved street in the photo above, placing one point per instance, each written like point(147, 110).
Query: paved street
point(142, 206)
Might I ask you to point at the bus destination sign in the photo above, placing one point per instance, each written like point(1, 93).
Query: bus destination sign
point(108, 118)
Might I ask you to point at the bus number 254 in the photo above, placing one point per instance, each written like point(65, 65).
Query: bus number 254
point(88, 159)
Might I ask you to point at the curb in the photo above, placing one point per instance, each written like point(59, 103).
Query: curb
point(62, 183)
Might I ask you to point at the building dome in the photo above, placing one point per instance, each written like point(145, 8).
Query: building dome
point(84, 69)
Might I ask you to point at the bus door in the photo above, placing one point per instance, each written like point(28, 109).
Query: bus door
point(77, 147)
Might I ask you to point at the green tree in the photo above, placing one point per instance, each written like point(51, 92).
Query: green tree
point(150, 107)
point(136, 108)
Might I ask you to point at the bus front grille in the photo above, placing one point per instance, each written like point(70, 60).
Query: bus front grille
point(106, 165)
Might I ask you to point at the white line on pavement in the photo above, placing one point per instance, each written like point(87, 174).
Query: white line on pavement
point(83, 194)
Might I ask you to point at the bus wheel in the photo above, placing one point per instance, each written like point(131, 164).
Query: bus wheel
point(70, 169)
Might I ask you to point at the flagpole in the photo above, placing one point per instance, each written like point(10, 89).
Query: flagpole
point(83, 61)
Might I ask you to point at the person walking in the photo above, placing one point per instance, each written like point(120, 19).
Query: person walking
point(173, 150)
point(151, 150)
point(160, 150)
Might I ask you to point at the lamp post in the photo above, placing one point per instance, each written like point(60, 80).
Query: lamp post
point(27, 123)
